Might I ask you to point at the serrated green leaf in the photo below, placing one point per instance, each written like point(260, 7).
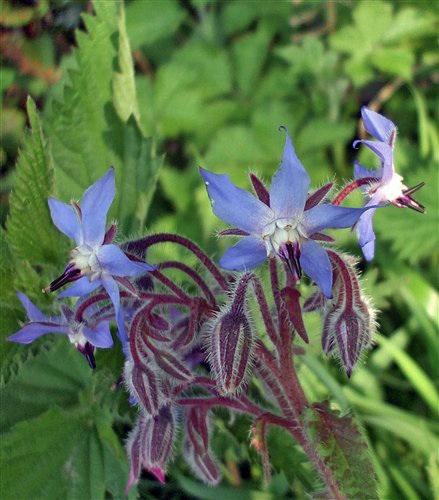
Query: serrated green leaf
point(89, 136)
point(31, 234)
point(344, 450)
point(34, 455)
point(53, 377)
point(124, 85)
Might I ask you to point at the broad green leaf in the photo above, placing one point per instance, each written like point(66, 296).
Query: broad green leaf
point(395, 61)
point(31, 234)
point(344, 450)
point(149, 21)
point(87, 467)
point(373, 20)
point(35, 455)
point(52, 377)
point(410, 22)
point(249, 53)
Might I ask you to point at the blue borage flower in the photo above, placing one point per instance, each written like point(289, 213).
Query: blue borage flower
point(85, 336)
point(282, 227)
point(95, 261)
point(385, 185)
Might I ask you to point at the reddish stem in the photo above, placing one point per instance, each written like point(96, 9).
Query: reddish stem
point(352, 186)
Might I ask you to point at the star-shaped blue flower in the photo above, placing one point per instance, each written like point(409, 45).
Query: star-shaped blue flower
point(282, 227)
point(385, 184)
point(95, 261)
point(85, 336)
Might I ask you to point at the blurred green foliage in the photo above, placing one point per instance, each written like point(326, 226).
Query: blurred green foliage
point(211, 82)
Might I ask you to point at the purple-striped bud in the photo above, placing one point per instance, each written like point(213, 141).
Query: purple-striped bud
point(144, 386)
point(196, 446)
point(350, 320)
point(150, 445)
point(230, 342)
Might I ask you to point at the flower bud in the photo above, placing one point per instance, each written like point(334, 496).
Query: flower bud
point(196, 447)
point(142, 383)
point(349, 322)
point(230, 342)
point(231, 346)
point(150, 445)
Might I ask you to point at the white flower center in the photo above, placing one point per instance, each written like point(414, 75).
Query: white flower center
point(280, 232)
point(85, 259)
point(393, 189)
point(76, 336)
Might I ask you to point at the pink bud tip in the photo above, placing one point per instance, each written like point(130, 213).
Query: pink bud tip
point(159, 474)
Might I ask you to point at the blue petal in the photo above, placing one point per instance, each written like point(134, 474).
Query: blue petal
point(32, 311)
point(100, 335)
point(316, 264)
point(361, 172)
point(330, 216)
point(235, 205)
point(65, 219)
point(290, 184)
point(81, 287)
point(385, 152)
point(113, 291)
point(247, 254)
point(114, 261)
point(32, 331)
point(378, 125)
point(365, 232)
point(95, 204)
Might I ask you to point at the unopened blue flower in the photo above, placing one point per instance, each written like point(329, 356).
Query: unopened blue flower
point(281, 228)
point(94, 261)
point(385, 184)
point(83, 335)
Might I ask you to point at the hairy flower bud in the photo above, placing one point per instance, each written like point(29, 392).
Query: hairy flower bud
point(230, 342)
point(196, 446)
point(143, 384)
point(349, 321)
point(150, 445)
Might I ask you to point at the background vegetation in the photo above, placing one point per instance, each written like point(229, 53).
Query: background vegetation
point(157, 88)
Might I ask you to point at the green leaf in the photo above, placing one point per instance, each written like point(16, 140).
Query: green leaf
point(124, 85)
point(31, 234)
point(35, 455)
point(87, 133)
point(396, 61)
point(249, 53)
point(413, 372)
point(53, 377)
point(343, 448)
point(148, 21)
